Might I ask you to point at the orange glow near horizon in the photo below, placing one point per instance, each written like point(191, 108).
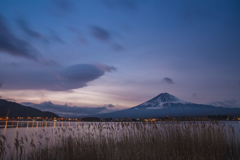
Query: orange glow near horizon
point(6, 124)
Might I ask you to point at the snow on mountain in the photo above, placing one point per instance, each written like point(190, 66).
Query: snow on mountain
point(161, 101)
point(166, 105)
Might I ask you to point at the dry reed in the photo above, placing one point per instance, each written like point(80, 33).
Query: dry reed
point(129, 141)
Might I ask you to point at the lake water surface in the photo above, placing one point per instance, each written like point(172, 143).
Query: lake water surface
point(39, 134)
point(11, 129)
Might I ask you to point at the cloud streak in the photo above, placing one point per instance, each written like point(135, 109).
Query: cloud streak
point(100, 33)
point(55, 37)
point(26, 28)
point(105, 36)
point(12, 45)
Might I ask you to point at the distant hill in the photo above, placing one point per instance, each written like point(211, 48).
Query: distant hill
point(167, 105)
point(13, 109)
point(91, 119)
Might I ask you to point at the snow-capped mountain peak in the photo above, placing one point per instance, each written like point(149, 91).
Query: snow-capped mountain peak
point(166, 105)
point(167, 98)
point(163, 99)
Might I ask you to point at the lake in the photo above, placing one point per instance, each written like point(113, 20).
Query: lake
point(29, 128)
point(38, 134)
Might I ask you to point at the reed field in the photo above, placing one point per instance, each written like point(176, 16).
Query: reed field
point(127, 141)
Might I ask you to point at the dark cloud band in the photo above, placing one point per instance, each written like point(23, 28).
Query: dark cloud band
point(72, 77)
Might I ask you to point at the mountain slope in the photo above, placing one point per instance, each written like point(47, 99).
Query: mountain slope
point(165, 105)
point(161, 101)
point(12, 109)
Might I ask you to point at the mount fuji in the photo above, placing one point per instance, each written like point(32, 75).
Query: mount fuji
point(165, 105)
point(161, 101)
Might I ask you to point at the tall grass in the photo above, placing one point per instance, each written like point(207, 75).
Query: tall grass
point(129, 141)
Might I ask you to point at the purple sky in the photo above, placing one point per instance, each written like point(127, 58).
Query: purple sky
point(107, 55)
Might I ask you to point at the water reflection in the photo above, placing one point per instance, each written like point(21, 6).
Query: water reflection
point(26, 124)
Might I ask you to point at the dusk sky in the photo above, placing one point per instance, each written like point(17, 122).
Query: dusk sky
point(85, 57)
